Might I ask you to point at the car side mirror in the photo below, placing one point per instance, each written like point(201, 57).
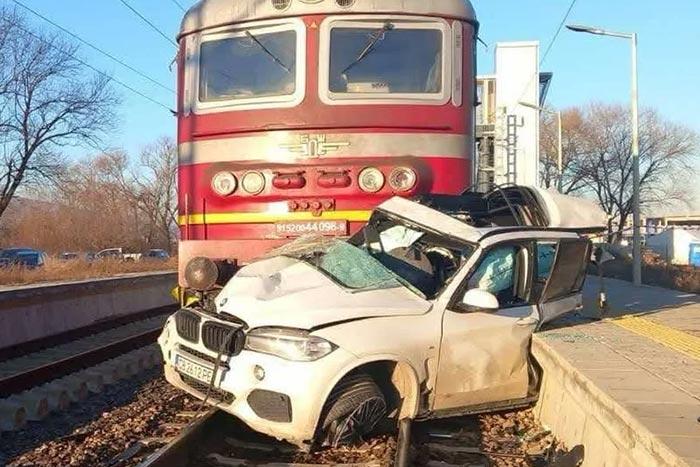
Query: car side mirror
point(480, 300)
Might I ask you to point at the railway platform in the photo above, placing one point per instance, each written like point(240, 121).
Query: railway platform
point(627, 387)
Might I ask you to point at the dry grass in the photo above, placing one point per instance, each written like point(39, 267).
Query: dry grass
point(56, 270)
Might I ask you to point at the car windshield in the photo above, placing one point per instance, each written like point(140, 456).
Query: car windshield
point(387, 253)
point(386, 60)
point(346, 264)
point(250, 65)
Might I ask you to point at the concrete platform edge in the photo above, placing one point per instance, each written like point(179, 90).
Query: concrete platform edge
point(580, 413)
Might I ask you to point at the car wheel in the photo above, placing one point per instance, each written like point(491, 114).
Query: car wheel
point(352, 411)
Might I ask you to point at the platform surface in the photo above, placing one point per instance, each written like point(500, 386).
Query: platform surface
point(645, 354)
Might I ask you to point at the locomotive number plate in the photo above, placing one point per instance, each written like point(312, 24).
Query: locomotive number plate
point(299, 228)
point(194, 370)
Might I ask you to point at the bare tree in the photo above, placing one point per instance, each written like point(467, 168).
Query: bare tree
point(156, 184)
point(48, 101)
point(138, 198)
point(574, 144)
point(598, 160)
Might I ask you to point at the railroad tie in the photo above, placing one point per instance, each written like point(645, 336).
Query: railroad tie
point(56, 396)
point(13, 415)
point(35, 404)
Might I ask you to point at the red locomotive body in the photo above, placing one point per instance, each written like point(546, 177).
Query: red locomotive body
point(300, 116)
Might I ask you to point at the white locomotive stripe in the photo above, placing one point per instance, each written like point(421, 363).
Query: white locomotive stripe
point(287, 147)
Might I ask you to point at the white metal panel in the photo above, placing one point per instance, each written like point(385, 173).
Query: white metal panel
point(431, 218)
point(673, 245)
point(517, 80)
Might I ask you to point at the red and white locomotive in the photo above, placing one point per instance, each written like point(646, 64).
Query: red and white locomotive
point(300, 116)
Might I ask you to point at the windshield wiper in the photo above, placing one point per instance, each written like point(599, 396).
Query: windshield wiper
point(267, 51)
point(375, 38)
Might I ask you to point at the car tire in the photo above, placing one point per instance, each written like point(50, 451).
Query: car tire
point(353, 410)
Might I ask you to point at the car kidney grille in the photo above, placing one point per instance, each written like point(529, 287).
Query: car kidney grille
point(215, 335)
point(187, 324)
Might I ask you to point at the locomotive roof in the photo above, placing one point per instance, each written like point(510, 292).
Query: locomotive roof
point(208, 14)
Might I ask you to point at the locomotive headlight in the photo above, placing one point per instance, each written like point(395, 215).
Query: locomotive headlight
point(201, 273)
point(224, 183)
point(403, 179)
point(253, 183)
point(371, 180)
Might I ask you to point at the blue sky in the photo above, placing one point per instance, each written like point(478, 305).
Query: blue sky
point(586, 67)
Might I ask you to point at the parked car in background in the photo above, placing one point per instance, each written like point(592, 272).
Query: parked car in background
point(156, 255)
point(117, 254)
point(68, 256)
point(26, 257)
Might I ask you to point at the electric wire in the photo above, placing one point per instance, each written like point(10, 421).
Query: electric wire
point(96, 70)
point(549, 48)
point(556, 35)
point(179, 5)
point(148, 22)
point(94, 47)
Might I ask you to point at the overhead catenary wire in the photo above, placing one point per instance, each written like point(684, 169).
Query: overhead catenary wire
point(179, 5)
point(96, 70)
point(550, 46)
point(148, 22)
point(94, 47)
point(556, 34)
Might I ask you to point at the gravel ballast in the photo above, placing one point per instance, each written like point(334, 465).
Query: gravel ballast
point(146, 408)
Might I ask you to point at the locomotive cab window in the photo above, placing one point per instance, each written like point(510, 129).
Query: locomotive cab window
point(251, 66)
point(385, 60)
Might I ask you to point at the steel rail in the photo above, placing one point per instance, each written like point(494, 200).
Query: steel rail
point(180, 450)
point(22, 381)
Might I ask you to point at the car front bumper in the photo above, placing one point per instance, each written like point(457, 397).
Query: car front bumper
point(286, 403)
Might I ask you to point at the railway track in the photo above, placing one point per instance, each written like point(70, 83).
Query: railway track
point(49, 378)
point(219, 440)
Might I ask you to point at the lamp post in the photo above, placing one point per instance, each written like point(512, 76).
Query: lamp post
point(637, 249)
point(560, 153)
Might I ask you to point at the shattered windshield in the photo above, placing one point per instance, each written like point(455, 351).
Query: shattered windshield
point(386, 253)
point(346, 264)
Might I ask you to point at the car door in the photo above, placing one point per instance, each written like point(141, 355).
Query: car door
point(560, 275)
point(484, 354)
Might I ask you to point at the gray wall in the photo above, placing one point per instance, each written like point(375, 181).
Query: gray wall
point(34, 312)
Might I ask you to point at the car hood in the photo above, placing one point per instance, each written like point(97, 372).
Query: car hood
point(287, 292)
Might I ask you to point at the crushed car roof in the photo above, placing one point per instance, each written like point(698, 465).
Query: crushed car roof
point(471, 216)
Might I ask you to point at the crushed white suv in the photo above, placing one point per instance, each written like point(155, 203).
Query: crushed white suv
point(427, 312)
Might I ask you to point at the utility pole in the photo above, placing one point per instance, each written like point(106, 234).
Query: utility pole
point(636, 178)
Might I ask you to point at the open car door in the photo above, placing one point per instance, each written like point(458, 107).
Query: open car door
point(562, 291)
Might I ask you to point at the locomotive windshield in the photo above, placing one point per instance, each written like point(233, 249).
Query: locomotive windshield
point(395, 60)
point(248, 65)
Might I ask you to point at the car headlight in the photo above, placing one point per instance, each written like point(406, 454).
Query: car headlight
point(371, 180)
point(403, 179)
point(224, 183)
point(290, 344)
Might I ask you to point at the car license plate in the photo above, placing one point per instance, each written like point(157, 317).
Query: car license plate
point(194, 370)
point(299, 228)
